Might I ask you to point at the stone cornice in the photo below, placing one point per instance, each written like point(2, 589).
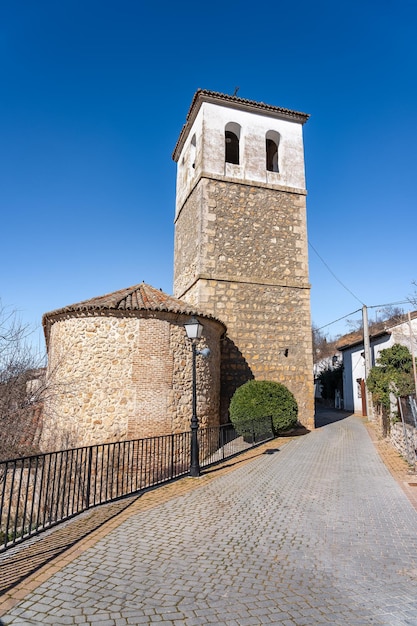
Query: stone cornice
point(246, 280)
point(237, 181)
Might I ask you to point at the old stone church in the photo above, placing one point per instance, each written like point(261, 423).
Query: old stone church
point(120, 364)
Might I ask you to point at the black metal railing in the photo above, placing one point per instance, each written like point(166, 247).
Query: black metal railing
point(408, 409)
point(37, 492)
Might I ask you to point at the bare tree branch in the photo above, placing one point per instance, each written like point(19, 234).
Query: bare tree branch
point(22, 382)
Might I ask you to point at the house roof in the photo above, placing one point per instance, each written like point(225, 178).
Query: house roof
point(375, 330)
point(203, 95)
point(352, 339)
point(140, 297)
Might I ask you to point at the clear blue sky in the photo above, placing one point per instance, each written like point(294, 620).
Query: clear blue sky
point(94, 94)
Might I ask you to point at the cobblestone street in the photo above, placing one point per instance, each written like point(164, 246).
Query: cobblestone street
point(316, 531)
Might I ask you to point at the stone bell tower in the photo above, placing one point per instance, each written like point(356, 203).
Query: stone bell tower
point(241, 238)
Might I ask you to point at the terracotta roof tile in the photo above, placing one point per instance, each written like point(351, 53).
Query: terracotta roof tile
point(140, 297)
point(215, 95)
point(375, 330)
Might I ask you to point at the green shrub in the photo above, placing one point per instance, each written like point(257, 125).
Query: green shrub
point(259, 399)
point(393, 373)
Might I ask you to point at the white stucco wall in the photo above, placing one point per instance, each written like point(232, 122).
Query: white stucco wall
point(354, 363)
point(354, 369)
point(401, 334)
point(208, 155)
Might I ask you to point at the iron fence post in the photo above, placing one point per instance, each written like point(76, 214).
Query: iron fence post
point(172, 455)
point(88, 486)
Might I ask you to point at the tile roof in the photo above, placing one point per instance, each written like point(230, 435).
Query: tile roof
point(375, 330)
point(140, 297)
point(351, 339)
point(203, 95)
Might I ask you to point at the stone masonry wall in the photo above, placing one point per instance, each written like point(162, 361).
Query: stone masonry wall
point(115, 377)
point(252, 273)
point(406, 447)
point(208, 377)
point(268, 328)
point(230, 230)
point(187, 245)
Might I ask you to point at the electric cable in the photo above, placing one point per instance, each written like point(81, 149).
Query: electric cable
point(373, 306)
point(334, 275)
point(339, 319)
point(376, 306)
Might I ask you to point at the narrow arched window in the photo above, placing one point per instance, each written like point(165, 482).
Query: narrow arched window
point(272, 143)
point(193, 149)
point(271, 156)
point(231, 139)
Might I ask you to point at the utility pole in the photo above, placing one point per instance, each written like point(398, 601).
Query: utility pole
point(367, 355)
point(412, 352)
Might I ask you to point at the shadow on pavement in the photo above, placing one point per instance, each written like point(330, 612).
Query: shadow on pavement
point(25, 559)
point(19, 562)
point(325, 416)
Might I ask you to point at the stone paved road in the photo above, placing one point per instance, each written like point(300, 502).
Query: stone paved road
point(316, 533)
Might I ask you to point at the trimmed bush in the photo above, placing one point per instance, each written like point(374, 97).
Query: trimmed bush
point(258, 400)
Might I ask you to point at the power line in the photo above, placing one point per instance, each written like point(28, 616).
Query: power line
point(334, 275)
point(339, 319)
point(373, 306)
point(376, 306)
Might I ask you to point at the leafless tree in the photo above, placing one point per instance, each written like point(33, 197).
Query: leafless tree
point(413, 297)
point(391, 313)
point(323, 346)
point(22, 383)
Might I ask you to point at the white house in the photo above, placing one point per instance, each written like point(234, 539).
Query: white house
point(382, 335)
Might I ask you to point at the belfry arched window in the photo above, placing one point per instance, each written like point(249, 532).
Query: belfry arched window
point(231, 141)
point(193, 149)
point(272, 143)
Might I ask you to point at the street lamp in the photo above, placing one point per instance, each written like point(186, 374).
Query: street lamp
point(193, 328)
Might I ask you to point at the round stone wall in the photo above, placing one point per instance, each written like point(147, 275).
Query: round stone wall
point(114, 376)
